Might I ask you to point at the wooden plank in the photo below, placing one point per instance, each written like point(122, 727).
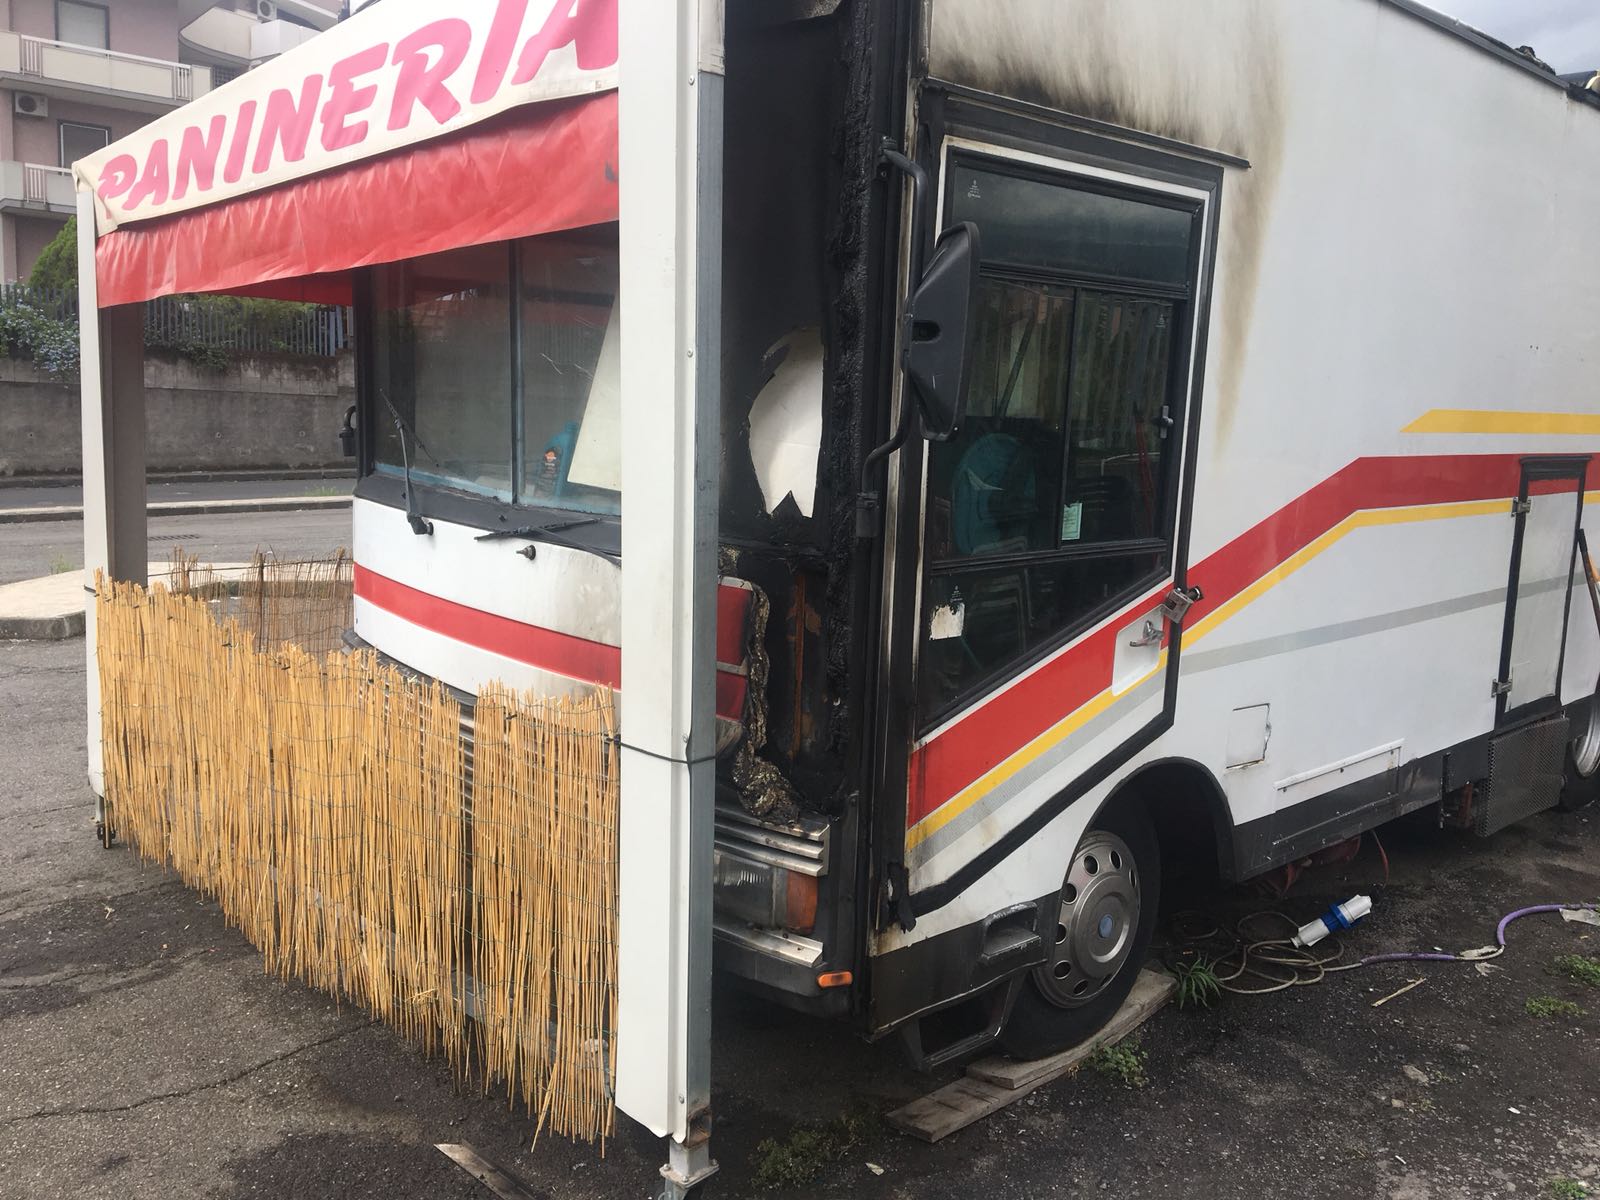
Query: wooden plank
point(993, 1083)
point(951, 1108)
point(484, 1171)
point(1151, 991)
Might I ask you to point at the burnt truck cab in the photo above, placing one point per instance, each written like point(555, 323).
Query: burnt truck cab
point(978, 284)
point(486, 517)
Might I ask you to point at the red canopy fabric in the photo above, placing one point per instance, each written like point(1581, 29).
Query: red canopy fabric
point(535, 170)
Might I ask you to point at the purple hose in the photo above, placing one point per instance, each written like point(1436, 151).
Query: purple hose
point(1499, 937)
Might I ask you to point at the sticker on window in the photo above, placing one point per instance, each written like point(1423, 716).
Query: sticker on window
point(949, 621)
point(1072, 522)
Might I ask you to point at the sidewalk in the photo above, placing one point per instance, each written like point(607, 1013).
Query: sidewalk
point(179, 498)
point(51, 609)
point(243, 474)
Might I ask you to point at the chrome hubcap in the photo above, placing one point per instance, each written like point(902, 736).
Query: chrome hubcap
point(1586, 746)
point(1098, 918)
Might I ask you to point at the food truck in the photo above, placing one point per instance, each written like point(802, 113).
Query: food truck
point(998, 451)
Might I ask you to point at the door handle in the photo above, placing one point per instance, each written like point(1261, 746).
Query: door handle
point(1151, 636)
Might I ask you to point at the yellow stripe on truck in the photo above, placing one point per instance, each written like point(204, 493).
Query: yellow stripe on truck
point(1479, 420)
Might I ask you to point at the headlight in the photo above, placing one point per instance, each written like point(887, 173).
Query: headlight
point(763, 895)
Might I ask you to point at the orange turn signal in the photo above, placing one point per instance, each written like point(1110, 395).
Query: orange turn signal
point(833, 979)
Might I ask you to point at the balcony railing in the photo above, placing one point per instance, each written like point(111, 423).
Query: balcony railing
point(64, 64)
point(32, 187)
point(46, 185)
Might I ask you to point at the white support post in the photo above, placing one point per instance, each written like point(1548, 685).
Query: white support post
point(115, 531)
point(670, 169)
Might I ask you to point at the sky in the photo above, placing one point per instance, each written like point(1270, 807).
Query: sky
point(1565, 33)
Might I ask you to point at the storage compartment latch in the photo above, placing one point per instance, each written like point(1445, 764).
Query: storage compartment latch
point(1178, 603)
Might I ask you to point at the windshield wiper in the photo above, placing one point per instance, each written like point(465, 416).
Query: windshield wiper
point(420, 525)
point(551, 534)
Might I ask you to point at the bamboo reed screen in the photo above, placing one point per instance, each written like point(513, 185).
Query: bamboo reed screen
point(452, 872)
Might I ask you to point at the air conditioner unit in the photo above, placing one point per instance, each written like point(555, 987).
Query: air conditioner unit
point(30, 104)
point(266, 10)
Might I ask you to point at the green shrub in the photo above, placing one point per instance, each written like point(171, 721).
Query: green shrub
point(26, 333)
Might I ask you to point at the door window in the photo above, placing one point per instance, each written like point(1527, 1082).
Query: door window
point(1055, 499)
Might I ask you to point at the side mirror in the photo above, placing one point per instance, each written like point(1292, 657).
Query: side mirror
point(939, 328)
point(347, 435)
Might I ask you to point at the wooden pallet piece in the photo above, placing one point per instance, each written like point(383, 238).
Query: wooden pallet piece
point(992, 1083)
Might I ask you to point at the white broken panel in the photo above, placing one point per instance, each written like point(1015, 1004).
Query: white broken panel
point(786, 422)
point(597, 458)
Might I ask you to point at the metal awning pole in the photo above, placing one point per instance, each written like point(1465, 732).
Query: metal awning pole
point(115, 530)
point(670, 170)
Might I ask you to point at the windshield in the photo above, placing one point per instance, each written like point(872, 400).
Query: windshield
point(497, 371)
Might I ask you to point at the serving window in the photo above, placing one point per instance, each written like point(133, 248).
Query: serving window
point(495, 371)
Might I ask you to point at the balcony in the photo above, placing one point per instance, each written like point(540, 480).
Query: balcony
point(34, 190)
point(128, 81)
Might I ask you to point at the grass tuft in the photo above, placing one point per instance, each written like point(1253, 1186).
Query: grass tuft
point(1197, 983)
point(1549, 1006)
point(60, 566)
point(800, 1157)
point(1123, 1061)
point(1580, 969)
point(1569, 1189)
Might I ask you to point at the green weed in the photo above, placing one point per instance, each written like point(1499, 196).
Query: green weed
point(60, 566)
point(326, 490)
point(1580, 969)
point(1549, 1006)
point(1197, 983)
point(1123, 1061)
point(799, 1158)
point(1569, 1189)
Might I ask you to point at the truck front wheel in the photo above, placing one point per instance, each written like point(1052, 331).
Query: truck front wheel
point(1107, 913)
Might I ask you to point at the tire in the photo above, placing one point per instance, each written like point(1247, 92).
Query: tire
point(1115, 877)
point(1582, 785)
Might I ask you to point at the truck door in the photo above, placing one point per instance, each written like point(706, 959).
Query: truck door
point(1543, 559)
point(1049, 531)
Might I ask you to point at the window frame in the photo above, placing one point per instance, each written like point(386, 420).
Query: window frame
point(1183, 382)
point(601, 532)
point(105, 16)
point(61, 137)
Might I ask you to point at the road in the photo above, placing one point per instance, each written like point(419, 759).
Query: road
point(173, 492)
point(30, 550)
point(143, 1053)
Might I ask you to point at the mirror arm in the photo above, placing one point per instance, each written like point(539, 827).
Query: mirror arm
point(869, 501)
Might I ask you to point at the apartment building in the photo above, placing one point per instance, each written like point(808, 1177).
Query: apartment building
point(76, 75)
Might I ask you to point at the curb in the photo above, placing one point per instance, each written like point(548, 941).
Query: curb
point(243, 475)
point(200, 508)
point(42, 629)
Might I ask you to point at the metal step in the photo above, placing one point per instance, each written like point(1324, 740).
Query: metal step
point(1525, 775)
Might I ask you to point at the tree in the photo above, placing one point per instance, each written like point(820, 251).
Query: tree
point(57, 268)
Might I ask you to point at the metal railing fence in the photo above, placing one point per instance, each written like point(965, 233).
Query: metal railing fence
point(214, 322)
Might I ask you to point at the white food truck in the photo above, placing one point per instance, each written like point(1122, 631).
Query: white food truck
point(998, 448)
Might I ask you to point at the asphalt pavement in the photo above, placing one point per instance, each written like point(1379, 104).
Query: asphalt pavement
point(143, 1053)
point(31, 550)
point(174, 491)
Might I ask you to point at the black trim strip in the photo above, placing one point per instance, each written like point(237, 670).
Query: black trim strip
point(603, 535)
point(1052, 116)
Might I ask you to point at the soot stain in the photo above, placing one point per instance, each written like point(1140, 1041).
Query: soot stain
point(1084, 59)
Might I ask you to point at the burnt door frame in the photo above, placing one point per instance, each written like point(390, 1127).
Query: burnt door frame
point(945, 111)
point(1534, 469)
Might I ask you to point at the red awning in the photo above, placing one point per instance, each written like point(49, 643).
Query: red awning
point(538, 169)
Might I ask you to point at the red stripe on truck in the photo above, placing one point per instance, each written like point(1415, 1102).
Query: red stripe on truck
point(547, 649)
point(988, 735)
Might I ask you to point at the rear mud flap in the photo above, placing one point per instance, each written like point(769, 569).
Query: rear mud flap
point(1525, 775)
